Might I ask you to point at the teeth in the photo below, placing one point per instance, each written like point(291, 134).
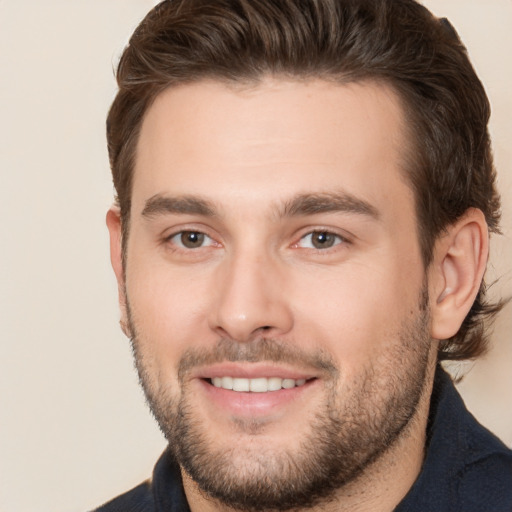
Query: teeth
point(288, 383)
point(227, 382)
point(274, 384)
point(258, 385)
point(241, 384)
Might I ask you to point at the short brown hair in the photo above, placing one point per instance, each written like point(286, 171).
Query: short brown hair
point(396, 41)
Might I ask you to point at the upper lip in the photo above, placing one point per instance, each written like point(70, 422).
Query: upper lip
point(250, 371)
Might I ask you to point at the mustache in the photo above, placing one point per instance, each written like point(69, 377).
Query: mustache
point(259, 350)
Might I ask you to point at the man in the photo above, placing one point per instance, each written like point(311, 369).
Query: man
point(305, 190)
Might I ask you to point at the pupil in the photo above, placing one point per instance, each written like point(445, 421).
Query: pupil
point(322, 240)
point(192, 239)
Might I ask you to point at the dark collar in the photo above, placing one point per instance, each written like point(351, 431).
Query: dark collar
point(464, 462)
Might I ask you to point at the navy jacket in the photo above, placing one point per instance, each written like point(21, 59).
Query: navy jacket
point(466, 468)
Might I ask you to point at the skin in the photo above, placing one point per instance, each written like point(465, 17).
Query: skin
point(248, 154)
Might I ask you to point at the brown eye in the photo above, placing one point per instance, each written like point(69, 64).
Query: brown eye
point(192, 239)
point(320, 240)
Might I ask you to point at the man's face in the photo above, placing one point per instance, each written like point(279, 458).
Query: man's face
point(273, 249)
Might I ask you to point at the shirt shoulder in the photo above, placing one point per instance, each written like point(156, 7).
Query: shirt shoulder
point(139, 499)
point(485, 482)
point(466, 467)
point(162, 493)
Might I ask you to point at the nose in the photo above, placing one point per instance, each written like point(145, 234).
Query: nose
point(251, 300)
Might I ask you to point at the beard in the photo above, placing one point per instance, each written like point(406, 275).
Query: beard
point(352, 428)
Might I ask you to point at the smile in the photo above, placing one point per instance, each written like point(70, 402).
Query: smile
point(257, 385)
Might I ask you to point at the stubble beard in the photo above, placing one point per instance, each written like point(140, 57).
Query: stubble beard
point(349, 431)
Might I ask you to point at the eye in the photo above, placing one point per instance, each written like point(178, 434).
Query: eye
point(320, 240)
point(191, 240)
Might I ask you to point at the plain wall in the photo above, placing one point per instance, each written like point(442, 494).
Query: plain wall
point(74, 430)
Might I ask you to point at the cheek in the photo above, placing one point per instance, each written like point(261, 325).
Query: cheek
point(357, 313)
point(167, 311)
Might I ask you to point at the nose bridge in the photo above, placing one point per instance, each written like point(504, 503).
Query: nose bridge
point(250, 299)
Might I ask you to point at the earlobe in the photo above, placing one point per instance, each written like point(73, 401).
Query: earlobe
point(113, 220)
point(458, 266)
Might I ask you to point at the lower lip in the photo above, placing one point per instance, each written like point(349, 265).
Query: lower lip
point(254, 404)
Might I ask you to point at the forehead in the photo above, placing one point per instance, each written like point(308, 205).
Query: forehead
point(235, 143)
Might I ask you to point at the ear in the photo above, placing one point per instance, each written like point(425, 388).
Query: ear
point(456, 272)
point(116, 258)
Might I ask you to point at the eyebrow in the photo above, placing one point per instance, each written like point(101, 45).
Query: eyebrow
point(328, 202)
point(161, 205)
point(303, 204)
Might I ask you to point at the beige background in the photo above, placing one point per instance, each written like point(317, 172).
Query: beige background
point(74, 430)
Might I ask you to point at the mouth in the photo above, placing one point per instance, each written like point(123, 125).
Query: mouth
point(254, 390)
point(256, 385)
